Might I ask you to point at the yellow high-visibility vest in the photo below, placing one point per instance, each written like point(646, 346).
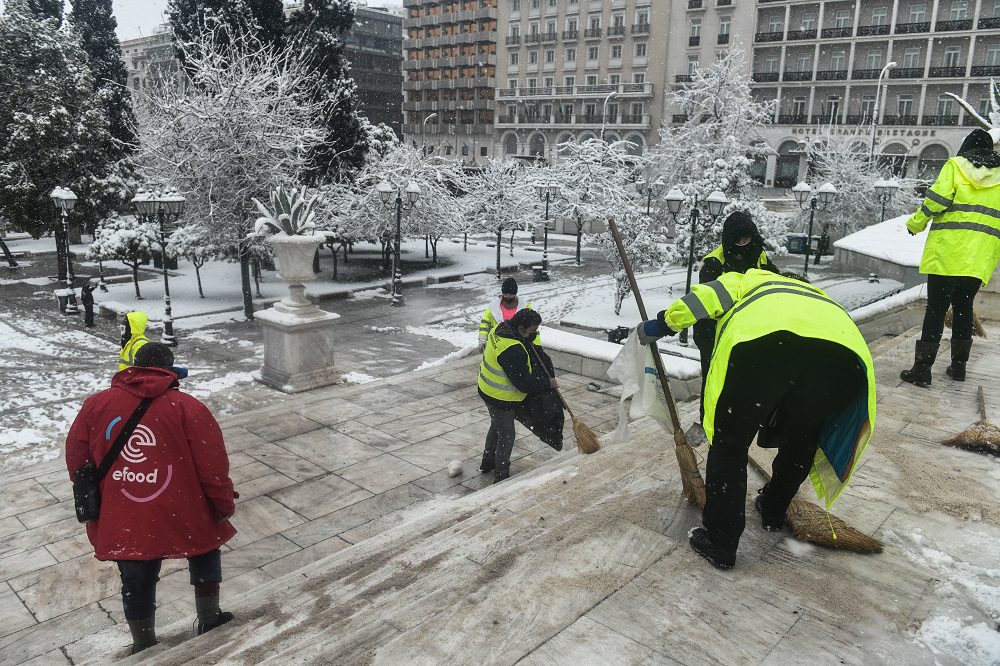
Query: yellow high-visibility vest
point(137, 328)
point(719, 253)
point(493, 381)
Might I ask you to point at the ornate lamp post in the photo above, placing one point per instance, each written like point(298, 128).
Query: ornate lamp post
point(884, 190)
point(644, 187)
point(65, 199)
point(877, 111)
point(716, 202)
point(412, 192)
point(820, 200)
point(545, 192)
point(164, 209)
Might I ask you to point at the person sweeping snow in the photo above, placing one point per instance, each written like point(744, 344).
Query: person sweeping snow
point(790, 364)
point(961, 253)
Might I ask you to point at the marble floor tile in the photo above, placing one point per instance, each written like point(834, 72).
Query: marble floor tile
point(371, 436)
point(335, 411)
point(22, 496)
point(257, 555)
point(259, 518)
point(380, 474)
point(305, 557)
point(440, 481)
point(43, 638)
point(262, 486)
point(47, 595)
point(25, 562)
point(282, 460)
point(14, 615)
point(318, 497)
point(329, 449)
point(283, 426)
point(434, 454)
point(47, 514)
point(238, 438)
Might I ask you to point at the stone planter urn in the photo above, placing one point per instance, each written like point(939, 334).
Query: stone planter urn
point(298, 335)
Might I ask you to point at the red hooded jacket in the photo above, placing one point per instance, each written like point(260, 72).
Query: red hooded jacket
point(168, 495)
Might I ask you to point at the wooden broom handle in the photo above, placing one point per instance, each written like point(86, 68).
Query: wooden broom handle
point(982, 405)
point(657, 361)
point(538, 358)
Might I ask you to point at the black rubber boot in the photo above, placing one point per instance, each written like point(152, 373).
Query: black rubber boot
point(487, 464)
point(960, 350)
point(501, 473)
point(702, 544)
point(923, 359)
point(143, 633)
point(201, 626)
point(769, 521)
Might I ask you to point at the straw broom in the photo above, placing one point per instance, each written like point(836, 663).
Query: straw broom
point(980, 437)
point(694, 485)
point(586, 439)
point(977, 325)
point(812, 524)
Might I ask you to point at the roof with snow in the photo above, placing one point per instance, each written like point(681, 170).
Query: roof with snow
point(889, 241)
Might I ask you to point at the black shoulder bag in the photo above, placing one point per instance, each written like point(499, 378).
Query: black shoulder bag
point(87, 479)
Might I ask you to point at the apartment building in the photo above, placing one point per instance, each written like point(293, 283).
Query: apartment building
point(578, 69)
point(824, 64)
point(450, 77)
point(374, 47)
point(151, 60)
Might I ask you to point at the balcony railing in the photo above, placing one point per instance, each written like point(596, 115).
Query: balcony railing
point(765, 77)
point(679, 118)
point(694, 40)
point(723, 38)
point(986, 70)
point(857, 119)
point(513, 39)
point(941, 121)
point(598, 90)
point(970, 121)
point(865, 73)
point(826, 119)
point(694, 4)
point(909, 28)
point(775, 36)
point(550, 36)
point(792, 119)
point(836, 32)
point(640, 29)
point(899, 120)
point(592, 32)
point(617, 31)
point(801, 34)
point(870, 30)
point(569, 35)
point(683, 78)
point(992, 22)
point(797, 76)
point(946, 71)
point(832, 75)
point(906, 73)
point(723, 3)
point(962, 24)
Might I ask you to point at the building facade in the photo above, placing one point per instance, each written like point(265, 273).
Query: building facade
point(374, 47)
point(450, 77)
point(579, 69)
point(865, 69)
point(151, 60)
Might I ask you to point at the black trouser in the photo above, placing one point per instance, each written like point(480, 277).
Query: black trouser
point(704, 339)
point(139, 578)
point(957, 291)
point(540, 412)
point(801, 382)
point(88, 315)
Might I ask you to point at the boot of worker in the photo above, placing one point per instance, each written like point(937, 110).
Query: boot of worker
point(143, 633)
point(923, 359)
point(960, 350)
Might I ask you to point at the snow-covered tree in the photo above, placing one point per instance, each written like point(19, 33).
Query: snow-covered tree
point(714, 149)
point(126, 239)
point(245, 126)
point(263, 19)
point(595, 180)
point(194, 244)
point(500, 198)
point(844, 161)
point(52, 128)
point(640, 246)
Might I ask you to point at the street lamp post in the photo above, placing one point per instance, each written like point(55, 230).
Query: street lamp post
point(163, 208)
point(65, 199)
point(877, 111)
point(648, 188)
point(820, 200)
point(546, 191)
point(423, 134)
point(386, 191)
point(604, 113)
point(885, 189)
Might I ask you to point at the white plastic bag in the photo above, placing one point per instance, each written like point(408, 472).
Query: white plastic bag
point(633, 368)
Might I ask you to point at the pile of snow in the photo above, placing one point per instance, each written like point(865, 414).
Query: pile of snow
point(357, 378)
point(889, 241)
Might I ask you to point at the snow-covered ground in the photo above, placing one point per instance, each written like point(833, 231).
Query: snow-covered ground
point(889, 241)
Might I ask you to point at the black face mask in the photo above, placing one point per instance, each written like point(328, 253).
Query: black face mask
point(741, 258)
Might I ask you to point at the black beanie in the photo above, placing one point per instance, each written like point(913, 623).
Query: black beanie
point(736, 226)
point(508, 286)
point(978, 141)
point(525, 318)
point(154, 355)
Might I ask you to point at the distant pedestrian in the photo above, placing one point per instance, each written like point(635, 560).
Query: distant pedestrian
point(500, 310)
point(961, 253)
point(87, 298)
point(516, 381)
point(133, 338)
point(167, 496)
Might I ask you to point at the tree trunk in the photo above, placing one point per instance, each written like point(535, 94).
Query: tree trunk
point(385, 256)
point(499, 243)
point(256, 278)
point(579, 241)
point(11, 261)
point(245, 281)
point(434, 250)
point(427, 252)
point(316, 268)
point(346, 247)
point(60, 256)
point(197, 273)
point(135, 278)
point(334, 248)
point(512, 231)
point(465, 242)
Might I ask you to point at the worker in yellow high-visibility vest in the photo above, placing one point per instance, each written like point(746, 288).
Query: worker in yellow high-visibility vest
point(789, 363)
point(133, 338)
point(961, 253)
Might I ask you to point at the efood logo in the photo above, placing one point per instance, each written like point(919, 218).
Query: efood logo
point(132, 452)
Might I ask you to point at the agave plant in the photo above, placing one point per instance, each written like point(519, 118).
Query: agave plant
point(992, 122)
point(291, 213)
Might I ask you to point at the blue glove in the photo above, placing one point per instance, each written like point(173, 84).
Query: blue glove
point(179, 371)
point(651, 331)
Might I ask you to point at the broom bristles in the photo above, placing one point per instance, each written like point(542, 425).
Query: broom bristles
point(977, 324)
point(693, 484)
point(586, 439)
point(810, 523)
point(980, 437)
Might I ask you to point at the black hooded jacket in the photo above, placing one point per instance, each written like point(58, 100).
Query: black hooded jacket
point(978, 149)
point(514, 362)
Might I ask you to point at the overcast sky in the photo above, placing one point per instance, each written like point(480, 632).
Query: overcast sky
point(139, 17)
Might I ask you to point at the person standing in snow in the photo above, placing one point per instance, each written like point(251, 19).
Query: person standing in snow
point(742, 249)
point(788, 363)
point(501, 309)
point(133, 338)
point(87, 298)
point(961, 253)
point(168, 495)
point(516, 381)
